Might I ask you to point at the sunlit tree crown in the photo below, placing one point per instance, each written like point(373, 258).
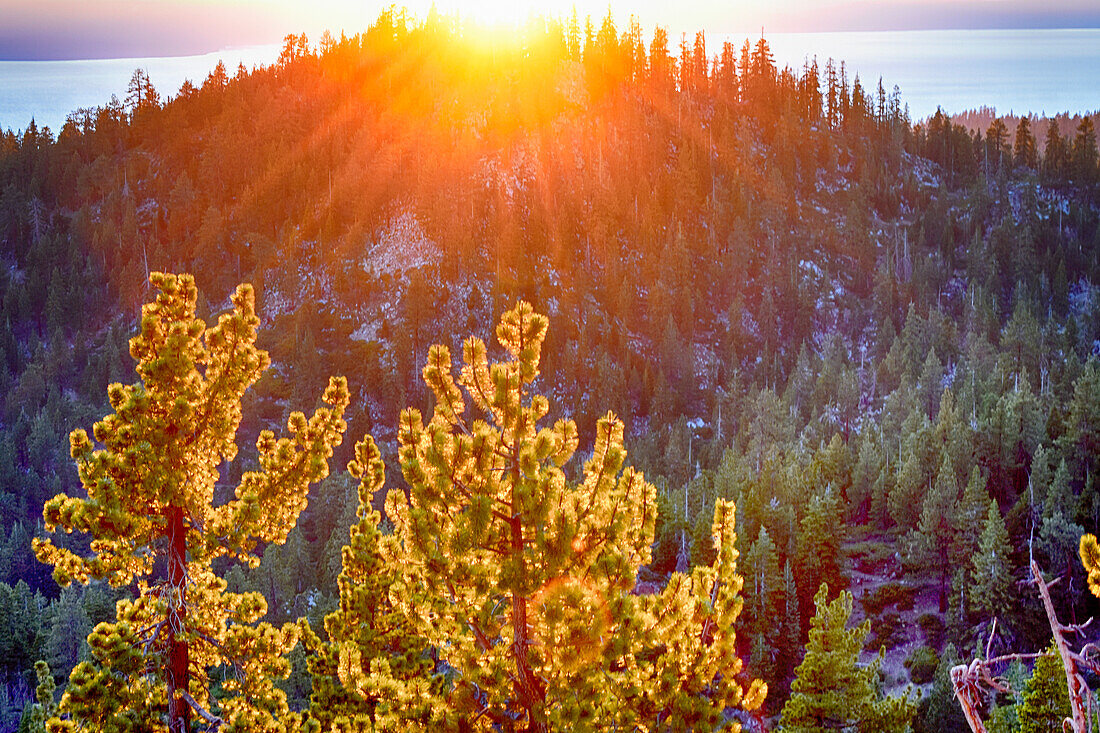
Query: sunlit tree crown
point(149, 477)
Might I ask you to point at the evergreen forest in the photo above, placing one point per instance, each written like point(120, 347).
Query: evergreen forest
point(586, 379)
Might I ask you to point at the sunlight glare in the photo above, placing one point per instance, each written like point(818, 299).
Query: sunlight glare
point(502, 16)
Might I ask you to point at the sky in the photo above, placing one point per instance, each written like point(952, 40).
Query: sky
point(72, 29)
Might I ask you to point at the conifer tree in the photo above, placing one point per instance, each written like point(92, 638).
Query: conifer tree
point(1082, 437)
point(1046, 697)
point(864, 475)
point(819, 538)
point(765, 603)
point(149, 511)
point(1059, 540)
point(790, 638)
point(939, 711)
point(1084, 152)
point(1090, 558)
point(373, 673)
point(532, 573)
point(1024, 151)
point(969, 514)
point(991, 570)
point(935, 535)
point(765, 583)
point(45, 706)
point(831, 691)
point(904, 500)
point(1055, 155)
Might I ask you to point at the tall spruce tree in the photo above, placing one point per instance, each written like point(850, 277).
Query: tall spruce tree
point(765, 603)
point(818, 554)
point(150, 514)
point(533, 573)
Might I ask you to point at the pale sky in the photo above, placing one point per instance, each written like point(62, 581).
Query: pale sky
point(38, 29)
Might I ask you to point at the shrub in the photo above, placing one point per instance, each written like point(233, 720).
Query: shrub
point(922, 665)
point(888, 632)
point(933, 628)
point(889, 594)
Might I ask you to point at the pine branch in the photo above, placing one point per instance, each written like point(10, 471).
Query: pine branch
point(214, 721)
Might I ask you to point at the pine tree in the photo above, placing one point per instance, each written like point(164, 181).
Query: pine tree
point(374, 672)
point(1046, 698)
point(1090, 558)
point(935, 535)
point(864, 475)
point(931, 384)
point(1084, 153)
point(1082, 437)
point(939, 711)
point(790, 637)
point(904, 500)
point(819, 538)
point(990, 569)
point(765, 602)
point(1024, 151)
point(150, 493)
point(997, 146)
point(970, 513)
point(1055, 155)
point(36, 714)
point(831, 691)
point(532, 573)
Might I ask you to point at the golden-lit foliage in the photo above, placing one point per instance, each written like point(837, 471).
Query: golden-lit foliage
point(522, 579)
point(149, 478)
point(1090, 558)
point(372, 673)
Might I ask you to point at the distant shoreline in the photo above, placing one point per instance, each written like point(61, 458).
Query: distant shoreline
point(1016, 71)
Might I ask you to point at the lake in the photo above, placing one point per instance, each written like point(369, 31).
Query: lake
point(49, 90)
point(1041, 71)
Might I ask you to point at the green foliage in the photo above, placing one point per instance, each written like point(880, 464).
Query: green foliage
point(765, 605)
point(818, 557)
point(673, 289)
point(991, 571)
point(150, 493)
point(1046, 697)
point(831, 691)
point(939, 711)
point(1082, 437)
point(45, 704)
point(922, 663)
point(900, 595)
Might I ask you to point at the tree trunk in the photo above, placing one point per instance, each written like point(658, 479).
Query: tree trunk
point(528, 693)
point(179, 710)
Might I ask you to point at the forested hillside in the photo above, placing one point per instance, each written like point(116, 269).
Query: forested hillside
point(876, 336)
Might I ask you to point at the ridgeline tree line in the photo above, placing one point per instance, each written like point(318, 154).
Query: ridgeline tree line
point(794, 299)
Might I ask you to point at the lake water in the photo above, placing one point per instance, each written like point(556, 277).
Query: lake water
point(49, 90)
point(1040, 71)
point(1012, 70)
